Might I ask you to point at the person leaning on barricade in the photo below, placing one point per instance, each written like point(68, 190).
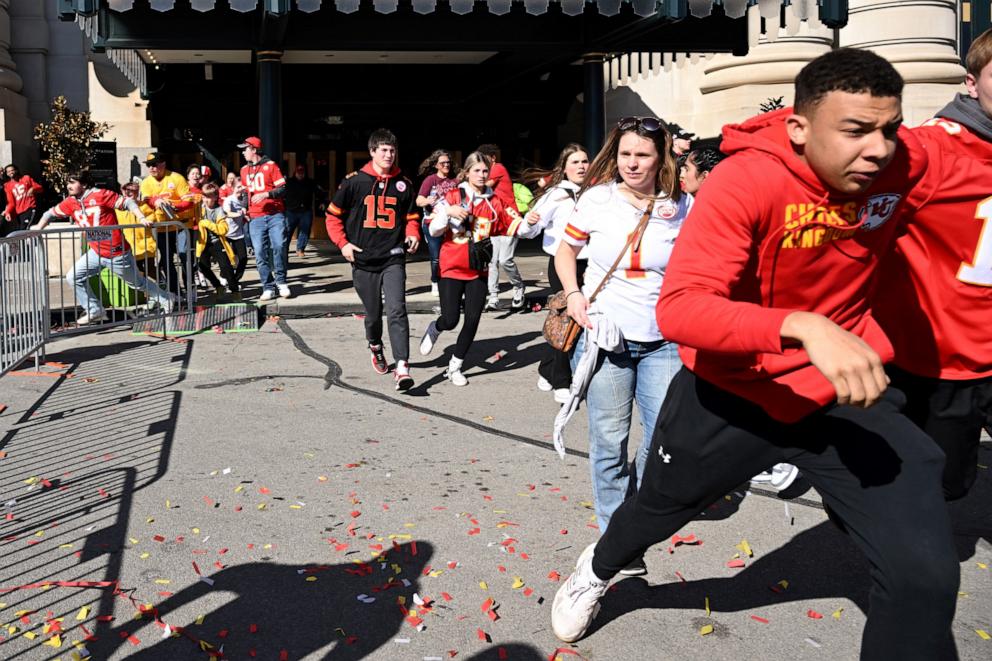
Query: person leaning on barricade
point(93, 207)
point(165, 196)
point(138, 236)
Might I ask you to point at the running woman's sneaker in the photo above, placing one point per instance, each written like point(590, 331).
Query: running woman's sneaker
point(577, 602)
point(544, 385)
point(518, 298)
point(779, 476)
point(492, 304)
point(637, 567)
point(402, 373)
point(379, 363)
point(429, 339)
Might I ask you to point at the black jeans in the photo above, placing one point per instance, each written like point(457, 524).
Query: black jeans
point(952, 413)
point(873, 467)
point(452, 292)
point(241, 252)
point(168, 250)
point(215, 250)
point(555, 366)
point(371, 286)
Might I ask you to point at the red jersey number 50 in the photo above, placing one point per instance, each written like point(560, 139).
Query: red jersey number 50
point(979, 271)
point(381, 215)
point(256, 182)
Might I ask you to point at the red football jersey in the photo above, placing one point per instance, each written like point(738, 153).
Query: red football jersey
point(18, 200)
point(262, 177)
point(934, 297)
point(94, 209)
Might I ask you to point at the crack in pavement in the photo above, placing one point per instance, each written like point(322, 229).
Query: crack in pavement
point(333, 378)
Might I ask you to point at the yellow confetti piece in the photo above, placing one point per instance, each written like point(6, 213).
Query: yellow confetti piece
point(145, 555)
point(149, 520)
point(200, 618)
point(239, 488)
point(214, 472)
point(30, 480)
point(30, 635)
point(204, 645)
point(65, 546)
point(483, 585)
point(409, 525)
point(586, 504)
point(162, 581)
point(436, 573)
point(3, 604)
point(707, 606)
point(401, 600)
point(982, 634)
point(54, 641)
point(517, 583)
point(837, 613)
point(261, 506)
point(706, 630)
point(400, 536)
point(982, 565)
point(83, 613)
point(322, 478)
point(21, 613)
point(397, 569)
point(133, 541)
point(500, 511)
point(962, 594)
point(196, 531)
point(267, 546)
point(311, 579)
point(11, 630)
point(168, 505)
point(784, 584)
point(309, 455)
point(40, 533)
point(295, 507)
point(745, 548)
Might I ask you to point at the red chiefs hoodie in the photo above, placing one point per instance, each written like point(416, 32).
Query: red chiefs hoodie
point(766, 238)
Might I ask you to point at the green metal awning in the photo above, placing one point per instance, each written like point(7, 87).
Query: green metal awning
point(832, 13)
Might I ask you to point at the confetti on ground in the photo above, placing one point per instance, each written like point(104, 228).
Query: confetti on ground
point(983, 634)
point(706, 630)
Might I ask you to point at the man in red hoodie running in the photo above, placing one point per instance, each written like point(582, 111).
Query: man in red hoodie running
point(767, 292)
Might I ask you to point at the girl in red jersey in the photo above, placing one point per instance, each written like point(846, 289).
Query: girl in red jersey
point(466, 216)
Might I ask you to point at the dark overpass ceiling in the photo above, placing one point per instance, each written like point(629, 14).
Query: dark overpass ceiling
point(555, 28)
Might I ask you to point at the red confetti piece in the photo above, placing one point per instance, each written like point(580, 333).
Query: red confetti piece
point(264, 491)
point(158, 538)
point(492, 615)
point(501, 569)
point(355, 514)
point(482, 635)
point(528, 592)
point(414, 621)
point(134, 640)
point(222, 633)
point(814, 615)
point(735, 564)
point(554, 576)
point(756, 618)
point(563, 531)
point(446, 596)
point(413, 548)
point(222, 552)
point(487, 604)
point(474, 531)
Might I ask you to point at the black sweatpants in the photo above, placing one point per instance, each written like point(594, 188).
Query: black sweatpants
point(168, 248)
point(555, 366)
point(952, 413)
point(873, 467)
point(452, 292)
point(215, 250)
point(240, 249)
point(371, 286)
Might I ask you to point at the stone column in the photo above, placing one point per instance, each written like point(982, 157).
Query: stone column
point(594, 107)
point(30, 51)
point(920, 38)
point(15, 127)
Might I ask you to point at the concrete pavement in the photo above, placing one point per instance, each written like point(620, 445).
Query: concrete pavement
point(239, 487)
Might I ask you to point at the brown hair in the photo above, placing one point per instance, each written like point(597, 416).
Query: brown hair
point(473, 159)
point(604, 169)
point(209, 190)
point(979, 53)
point(556, 174)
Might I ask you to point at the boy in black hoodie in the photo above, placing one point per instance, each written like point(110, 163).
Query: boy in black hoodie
point(372, 219)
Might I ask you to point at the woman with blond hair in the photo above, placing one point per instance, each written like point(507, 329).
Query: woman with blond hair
point(555, 202)
point(466, 217)
point(629, 212)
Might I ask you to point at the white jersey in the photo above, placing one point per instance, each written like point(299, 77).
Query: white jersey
point(602, 221)
point(555, 208)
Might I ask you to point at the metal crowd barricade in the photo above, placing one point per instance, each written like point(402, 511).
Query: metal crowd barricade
point(23, 299)
point(54, 284)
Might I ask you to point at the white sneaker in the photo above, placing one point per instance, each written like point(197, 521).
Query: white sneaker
point(94, 318)
point(284, 291)
point(518, 298)
point(267, 295)
point(429, 338)
point(779, 476)
point(454, 372)
point(492, 304)
point(561, 395)
point(435, 292)
point(402, 374)
point(169, 304)
point(543, 384)
point(577, 602)
point(223, 281)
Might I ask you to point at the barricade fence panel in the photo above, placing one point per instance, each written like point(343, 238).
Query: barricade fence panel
point(66, 280)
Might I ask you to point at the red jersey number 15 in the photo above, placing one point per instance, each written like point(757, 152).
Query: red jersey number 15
point(381, 215)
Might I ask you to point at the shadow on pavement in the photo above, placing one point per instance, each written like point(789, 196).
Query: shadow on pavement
point(74, 461)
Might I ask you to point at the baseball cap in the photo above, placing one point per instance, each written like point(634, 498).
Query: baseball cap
point(253, 141)
point(153, 157)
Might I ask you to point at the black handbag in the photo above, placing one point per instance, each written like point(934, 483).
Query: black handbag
point(480, 253)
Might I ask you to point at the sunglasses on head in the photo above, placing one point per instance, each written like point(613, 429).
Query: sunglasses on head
point(648, 124)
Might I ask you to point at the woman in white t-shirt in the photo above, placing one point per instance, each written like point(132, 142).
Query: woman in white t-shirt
point(554, 206)
point(638, 175)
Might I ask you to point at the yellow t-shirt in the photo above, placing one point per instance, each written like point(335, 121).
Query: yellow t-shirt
point(172, 187)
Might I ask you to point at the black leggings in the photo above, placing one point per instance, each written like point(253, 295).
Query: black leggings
point(452, 291)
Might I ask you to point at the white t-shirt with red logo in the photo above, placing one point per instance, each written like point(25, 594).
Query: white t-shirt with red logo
point(602, 221)
point(95, 208)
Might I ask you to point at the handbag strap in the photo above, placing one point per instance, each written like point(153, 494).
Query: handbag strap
point(635, 236)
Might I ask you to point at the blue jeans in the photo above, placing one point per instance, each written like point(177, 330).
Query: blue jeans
point(641, 373)
point(123, 266)
point(433, 249)
point(269, 237)
point(299, 221)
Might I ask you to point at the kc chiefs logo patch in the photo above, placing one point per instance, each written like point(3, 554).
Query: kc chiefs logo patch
point(877, 210)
